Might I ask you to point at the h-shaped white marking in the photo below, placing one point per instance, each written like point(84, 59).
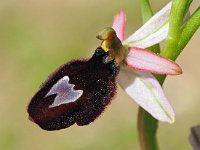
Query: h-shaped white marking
point(65, 92)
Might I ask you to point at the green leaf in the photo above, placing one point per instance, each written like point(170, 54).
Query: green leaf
point(188, 30)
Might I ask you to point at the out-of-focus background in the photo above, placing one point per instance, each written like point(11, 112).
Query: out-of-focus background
point(36, 36)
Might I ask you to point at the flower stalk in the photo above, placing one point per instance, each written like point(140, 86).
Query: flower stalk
point(178, 37)
point(147, 125)
point(147, 129)
point(179, 8)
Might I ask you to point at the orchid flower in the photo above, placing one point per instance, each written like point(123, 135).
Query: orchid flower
point(136, 63)
point(79, 90)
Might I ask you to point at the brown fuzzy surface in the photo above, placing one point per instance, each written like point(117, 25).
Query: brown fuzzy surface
point(97, 80)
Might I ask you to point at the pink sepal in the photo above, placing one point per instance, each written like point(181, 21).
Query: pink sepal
point(145, 60)
point(119, 24)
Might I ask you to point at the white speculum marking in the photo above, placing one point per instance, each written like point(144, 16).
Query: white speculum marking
point(65, 92)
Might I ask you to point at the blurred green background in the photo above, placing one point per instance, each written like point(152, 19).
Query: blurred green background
point(36, 36)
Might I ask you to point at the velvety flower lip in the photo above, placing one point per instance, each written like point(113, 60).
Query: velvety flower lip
point(77, 92)
point(135, 76)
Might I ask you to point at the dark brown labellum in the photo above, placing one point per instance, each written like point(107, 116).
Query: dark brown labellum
point(77, 92)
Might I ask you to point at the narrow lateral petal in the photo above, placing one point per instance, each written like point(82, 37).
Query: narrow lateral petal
point(145, 90)
point(153, 31)
point(119, 24)
point(145, 60)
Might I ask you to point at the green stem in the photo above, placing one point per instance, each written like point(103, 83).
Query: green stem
point(147, 128)
point(147, 125)
point(188, 30)
point(147, 12)
point(179, 8)
point(177, 39)
point(172, 49)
